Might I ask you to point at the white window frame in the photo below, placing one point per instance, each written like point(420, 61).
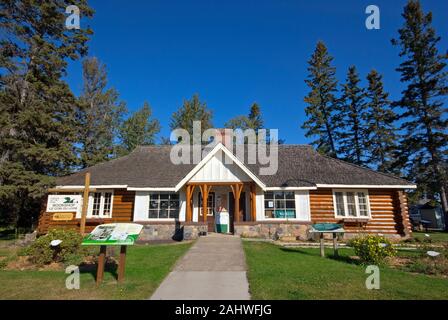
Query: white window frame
point(147, 209)
point(355, 191)
point(101, 214)
point(280, 219)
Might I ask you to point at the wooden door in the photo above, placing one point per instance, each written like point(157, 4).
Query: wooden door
point(210, 211)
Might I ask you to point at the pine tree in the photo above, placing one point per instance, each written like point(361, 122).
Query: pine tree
point(100, 115)
point(192, 110)
point(425, 139)
point(254, 120)
point(139, 129)
point(37, 123)
point(380, 134)
point(349, 119)
point(321, 100)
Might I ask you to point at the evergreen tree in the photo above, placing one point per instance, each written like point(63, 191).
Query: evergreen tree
point(139, 129)
point(100, 115)
point(37, 122)
point(254, 120)
point(380, 133)
point(424, 122)
point(349, 119)
point(321, 101)
point(192, 110)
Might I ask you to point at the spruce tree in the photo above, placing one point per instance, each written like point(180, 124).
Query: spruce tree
point(100, 115)
point(139, 129)
point(254, 120)
point(380, 133)
point(349, 120)
point(424, 122)
point(192, 110)
point(37, 122)
point(321, 101)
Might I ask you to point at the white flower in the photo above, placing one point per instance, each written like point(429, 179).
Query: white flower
point(432, 253)
point(55, 243)
point(383, 245)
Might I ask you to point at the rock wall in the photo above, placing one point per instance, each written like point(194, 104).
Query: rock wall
point(273, 231)
point(171, 231)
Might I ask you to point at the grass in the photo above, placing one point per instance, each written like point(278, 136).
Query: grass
point(146, 267)
point(283, 273)
point(434, 236)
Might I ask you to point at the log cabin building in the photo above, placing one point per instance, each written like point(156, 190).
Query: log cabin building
point(180, 201)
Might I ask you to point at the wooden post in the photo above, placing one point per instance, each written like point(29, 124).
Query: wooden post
point(101, 262)
point(188, 203)
point(85, 204)
point(253, 202)
point(204, 202)
point(322, 248)
point(122, 263)
point(236, 195)
point(335, 245)
point(236, 190)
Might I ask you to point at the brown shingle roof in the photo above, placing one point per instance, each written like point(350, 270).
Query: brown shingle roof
point(298, 166)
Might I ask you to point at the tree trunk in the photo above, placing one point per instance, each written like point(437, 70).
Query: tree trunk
point(444, 205)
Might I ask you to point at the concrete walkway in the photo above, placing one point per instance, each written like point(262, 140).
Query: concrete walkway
point(213, 269)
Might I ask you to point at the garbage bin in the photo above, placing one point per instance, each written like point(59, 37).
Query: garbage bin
point(222, 222)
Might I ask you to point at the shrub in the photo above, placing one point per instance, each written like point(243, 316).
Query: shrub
point(41, 252)
point(373, 249)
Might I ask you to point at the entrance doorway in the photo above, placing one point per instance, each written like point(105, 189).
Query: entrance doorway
point(210, 211)
point(232, 208)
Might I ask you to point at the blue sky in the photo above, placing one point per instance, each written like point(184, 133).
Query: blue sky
point(234, 53)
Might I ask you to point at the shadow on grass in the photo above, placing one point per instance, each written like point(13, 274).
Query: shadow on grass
point(340, 258)
point(111, 267)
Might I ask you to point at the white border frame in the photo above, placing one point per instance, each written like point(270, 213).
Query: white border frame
point(101, 213)
point(366, 191)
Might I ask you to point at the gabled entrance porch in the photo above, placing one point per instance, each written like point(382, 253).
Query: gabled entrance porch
point(237, 198)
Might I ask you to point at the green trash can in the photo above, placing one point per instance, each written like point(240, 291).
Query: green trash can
point(222, 222)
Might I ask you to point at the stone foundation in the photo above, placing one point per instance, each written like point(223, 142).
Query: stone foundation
point(287, 231)
point(177, 231)
point(275, 231)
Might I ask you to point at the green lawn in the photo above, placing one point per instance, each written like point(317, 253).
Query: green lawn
point(282, 273)
point(146, 267)
point(434, 236)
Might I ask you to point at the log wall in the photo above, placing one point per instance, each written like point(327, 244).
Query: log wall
point(389, 214)
point(122, 211)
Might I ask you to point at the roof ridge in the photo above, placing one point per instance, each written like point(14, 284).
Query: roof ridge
point(365, 168)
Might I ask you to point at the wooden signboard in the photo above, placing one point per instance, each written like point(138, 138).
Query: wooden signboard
point(112, 234)
point(62, 216)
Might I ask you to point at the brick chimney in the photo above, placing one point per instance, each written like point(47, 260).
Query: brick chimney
point(225, 136)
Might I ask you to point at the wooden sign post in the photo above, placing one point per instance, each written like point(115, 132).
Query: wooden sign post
point(85, 204)
point(101, 263)
point(121, 263)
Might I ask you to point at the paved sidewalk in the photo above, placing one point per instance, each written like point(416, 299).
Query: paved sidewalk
point(213, 269)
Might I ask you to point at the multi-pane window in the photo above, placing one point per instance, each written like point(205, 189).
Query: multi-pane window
point(101, 204)
point(163, 206)
point(351, 203)
point(210, 203)
point(279, 205)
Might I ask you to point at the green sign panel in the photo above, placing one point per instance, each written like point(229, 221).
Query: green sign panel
point(118, 234)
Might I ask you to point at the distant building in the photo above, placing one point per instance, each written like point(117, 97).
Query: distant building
point(427, 215)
